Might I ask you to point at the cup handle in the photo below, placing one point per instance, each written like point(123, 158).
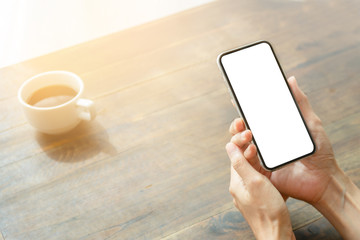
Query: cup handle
point(86, 109)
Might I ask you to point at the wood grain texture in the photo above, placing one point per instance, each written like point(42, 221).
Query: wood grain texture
point(152, 164)
point(320, 229)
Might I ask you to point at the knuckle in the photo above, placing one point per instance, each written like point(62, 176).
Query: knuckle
point(235, 203)
point(317, 120)
point(231, 191)
point(304, 96)
point(237, 136)
point(304, 100)
point(256, 181)
point(234, 138)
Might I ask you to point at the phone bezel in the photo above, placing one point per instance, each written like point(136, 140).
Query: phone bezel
point(239, 109)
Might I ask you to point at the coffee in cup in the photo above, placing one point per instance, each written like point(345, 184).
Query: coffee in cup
point(51, 96)
point(52, 102)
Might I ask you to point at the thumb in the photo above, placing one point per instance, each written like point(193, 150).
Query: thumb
point(300, 96)
point(240, 163)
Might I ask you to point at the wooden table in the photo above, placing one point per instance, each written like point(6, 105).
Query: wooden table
point(153, 165)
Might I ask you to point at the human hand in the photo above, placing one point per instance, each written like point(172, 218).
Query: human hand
point(257, 199)
point(306, 179)
point(316, 179)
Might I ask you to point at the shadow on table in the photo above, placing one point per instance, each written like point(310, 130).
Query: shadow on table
point(86, 141)
point(319, 229)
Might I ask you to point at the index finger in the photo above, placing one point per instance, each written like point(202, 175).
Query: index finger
point(240, 163)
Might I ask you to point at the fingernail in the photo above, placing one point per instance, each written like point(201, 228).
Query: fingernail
point(242, 135)
point(292, 78)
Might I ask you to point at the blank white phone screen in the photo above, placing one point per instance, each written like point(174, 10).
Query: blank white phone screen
point(267, 105)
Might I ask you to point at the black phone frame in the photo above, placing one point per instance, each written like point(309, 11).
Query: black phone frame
point(227, 81)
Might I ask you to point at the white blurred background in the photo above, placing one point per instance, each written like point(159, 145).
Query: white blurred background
point(31, 28)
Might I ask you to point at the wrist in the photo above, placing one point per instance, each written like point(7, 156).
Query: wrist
point(340, 204)
point(336, 185)
point(275, 227)
point(340, 190)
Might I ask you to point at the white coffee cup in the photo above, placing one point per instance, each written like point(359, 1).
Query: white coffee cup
point(61, 118)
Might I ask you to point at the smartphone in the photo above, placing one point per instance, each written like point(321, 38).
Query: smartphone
point(264, 100)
